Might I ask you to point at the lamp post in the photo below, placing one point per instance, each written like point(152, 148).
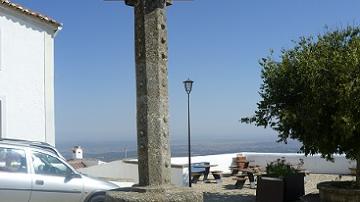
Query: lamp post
point(188, 86)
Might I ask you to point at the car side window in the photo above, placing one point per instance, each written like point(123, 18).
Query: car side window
point(45, 164)
point(12, 160)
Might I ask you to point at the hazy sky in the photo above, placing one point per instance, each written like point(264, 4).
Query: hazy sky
point(216, 43)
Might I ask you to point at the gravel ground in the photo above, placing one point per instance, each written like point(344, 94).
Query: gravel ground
point(226, 190)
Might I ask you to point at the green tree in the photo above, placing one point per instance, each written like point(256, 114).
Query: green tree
point(312, 94)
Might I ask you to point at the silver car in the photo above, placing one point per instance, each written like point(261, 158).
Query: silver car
point(33, 174)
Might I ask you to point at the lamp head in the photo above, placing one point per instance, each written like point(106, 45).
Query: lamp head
point(188, 85)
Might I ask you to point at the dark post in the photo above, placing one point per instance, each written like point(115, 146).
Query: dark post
point(188, 86)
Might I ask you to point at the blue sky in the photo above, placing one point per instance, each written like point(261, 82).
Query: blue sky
point(216, 43)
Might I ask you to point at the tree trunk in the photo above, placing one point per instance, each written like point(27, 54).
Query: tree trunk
point(358, 171)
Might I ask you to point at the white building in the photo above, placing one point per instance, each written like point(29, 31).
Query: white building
point(26, 74)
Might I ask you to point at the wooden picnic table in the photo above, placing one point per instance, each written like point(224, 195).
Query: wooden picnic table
point(196, 175)
point(247, 173)
point(207, 169)
point(205, 166)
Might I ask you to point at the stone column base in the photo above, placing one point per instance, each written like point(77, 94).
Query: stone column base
point(154, 194)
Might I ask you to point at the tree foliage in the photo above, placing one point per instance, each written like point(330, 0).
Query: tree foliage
point(312, 93)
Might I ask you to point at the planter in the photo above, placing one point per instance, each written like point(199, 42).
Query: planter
point(352, 171)
point(338, 192)
point(274, 189)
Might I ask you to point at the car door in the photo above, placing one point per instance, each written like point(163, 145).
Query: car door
point(53, 180)
point(15, 181)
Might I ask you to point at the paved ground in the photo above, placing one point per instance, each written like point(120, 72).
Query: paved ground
point(226, 191)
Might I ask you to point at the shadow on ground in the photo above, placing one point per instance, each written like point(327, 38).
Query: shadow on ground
point(212, 197)
point(232, 186)
point(229, 186)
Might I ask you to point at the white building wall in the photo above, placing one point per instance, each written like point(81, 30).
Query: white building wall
point(49, 88)
point(26, 78)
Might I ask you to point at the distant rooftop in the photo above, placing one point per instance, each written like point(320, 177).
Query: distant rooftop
point(28, 12)
point(77, 163)
point(84, 163)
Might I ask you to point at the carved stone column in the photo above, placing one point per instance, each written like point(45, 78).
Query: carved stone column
point(152, 92)
point(151, 55)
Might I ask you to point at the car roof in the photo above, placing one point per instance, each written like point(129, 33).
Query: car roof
point(33, 144)
point(19, 141)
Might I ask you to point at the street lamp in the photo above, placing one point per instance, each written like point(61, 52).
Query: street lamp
point(188, 86)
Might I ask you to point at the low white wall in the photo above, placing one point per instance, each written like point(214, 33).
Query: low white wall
point(179, 171)
point(223, 161)
point(124, 171)
point(177, 176)
point(114, 170)
point(314, 164)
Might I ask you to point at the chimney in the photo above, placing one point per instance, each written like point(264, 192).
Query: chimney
point(77, 152)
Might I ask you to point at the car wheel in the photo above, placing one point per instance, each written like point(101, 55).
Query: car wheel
point(98, 198)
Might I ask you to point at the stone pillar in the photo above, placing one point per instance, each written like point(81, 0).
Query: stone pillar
point(151, 57)
point(152, 92)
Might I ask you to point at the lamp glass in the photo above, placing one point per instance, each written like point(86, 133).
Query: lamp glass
point(188, 85)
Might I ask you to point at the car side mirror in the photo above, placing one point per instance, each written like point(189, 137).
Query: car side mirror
point(71, 176)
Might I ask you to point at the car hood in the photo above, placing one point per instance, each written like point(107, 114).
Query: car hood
point(96, 184)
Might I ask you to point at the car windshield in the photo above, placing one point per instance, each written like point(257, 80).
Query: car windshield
point(50, 149)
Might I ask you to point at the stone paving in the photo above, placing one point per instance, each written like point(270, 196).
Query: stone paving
point(226, 191)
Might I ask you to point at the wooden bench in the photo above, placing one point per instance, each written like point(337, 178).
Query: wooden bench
point(217, 175)
point(244, 175)
point(240, 181)
point(195, 177)
point(238, 163)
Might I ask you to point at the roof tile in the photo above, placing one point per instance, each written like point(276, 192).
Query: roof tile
point(28, 12)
